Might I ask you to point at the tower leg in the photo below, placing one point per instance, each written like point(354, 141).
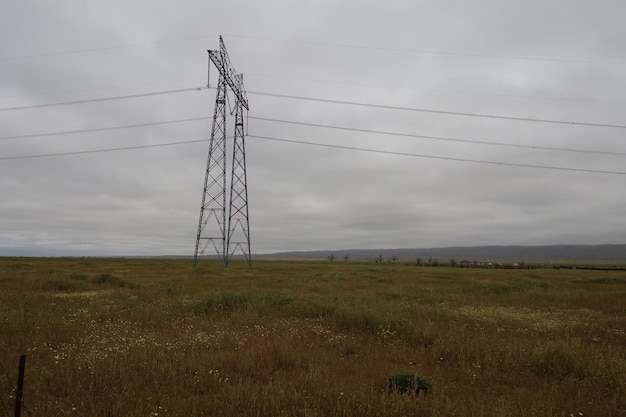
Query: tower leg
point(238, 223)
point(212, 223)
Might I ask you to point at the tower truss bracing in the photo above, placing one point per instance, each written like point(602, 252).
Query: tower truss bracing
point(224, 226)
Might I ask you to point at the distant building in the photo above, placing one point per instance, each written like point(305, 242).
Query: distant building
point(465, 263)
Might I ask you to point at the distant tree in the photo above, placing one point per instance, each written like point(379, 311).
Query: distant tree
point(331, 257)
point(430, 261)
point(394, 258)
point(345, 258)
point(418, 261)
point(452, 262)
point(380, 259)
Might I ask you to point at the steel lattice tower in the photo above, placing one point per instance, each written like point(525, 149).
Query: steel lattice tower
point(225, 227)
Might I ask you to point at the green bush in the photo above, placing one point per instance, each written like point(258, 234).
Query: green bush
point(79, 276)
point(275, 300)
point(559, 360)
point(61, 285)
point(355, 314)
point(109, 279)
point(226, 301)
point(407, 383)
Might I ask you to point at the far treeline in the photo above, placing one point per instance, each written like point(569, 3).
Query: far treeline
point(615, 254)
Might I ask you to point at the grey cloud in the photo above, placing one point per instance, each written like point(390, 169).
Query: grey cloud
point(556, 60)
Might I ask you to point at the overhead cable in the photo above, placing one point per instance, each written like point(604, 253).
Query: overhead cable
point(478, 142)
point(94, 100)
point(432, 52)
point(351, 129)
point(100, 129)
point(103, 48)
point(322, 100)
point(318, 43)
point(436, 91)
point(127, 148)
point(379, 151)
point(455, 113)
point(477, 161)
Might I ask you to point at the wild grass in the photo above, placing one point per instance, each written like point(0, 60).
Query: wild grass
point(132, 337)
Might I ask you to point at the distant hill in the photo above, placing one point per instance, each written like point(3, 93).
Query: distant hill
point(575, 253)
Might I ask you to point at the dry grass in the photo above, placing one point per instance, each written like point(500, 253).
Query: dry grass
point(159, 338)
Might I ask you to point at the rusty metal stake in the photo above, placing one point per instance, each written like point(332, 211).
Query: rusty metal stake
point(20, 386)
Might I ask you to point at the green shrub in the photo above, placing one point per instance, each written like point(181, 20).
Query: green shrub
point(497, 288)
point(357, 314)
point(407, 383)
point(559, 360)
point(109, 279)
point(79, 276)
point(603, 280)
point(60, 285)
point(275, 300)
point(225, 301)
point(312, 308)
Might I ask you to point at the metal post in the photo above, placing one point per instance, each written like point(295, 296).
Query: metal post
point(20, 386)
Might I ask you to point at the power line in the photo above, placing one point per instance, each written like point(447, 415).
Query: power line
point(319, 43)
point(351, 129)
point(388, 107)
point(100, 129)
point(408, 135)
point(94, 100)
point(127, 148)
point(436, 91)
point(103, 48)
point(326, 146)
point(322, 100)
point(445, 158)
point(431, 52)
point(394, 87)
point(109, 87)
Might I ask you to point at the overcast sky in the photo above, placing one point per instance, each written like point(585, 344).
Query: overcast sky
point(425, 183)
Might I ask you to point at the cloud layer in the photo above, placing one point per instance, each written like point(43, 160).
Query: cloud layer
point(556, 61)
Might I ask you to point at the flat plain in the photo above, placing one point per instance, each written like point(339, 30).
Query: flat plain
point(156, 337)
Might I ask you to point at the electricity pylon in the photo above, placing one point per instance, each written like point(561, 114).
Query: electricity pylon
point(225, 227)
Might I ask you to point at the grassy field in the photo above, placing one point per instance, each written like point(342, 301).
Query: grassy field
point(128, 337)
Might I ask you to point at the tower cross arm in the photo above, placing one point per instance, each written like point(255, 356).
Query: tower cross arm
point(235, 81)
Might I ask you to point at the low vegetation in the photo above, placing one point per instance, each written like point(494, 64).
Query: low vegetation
point(134, 337)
